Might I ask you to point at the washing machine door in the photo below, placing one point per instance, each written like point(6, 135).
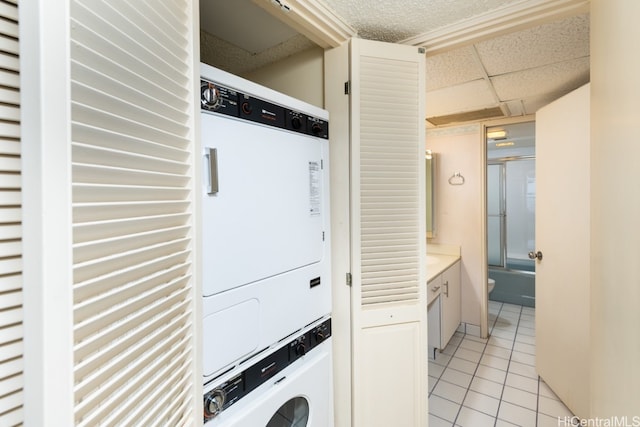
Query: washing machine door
point(299, 396)
point(294, 413)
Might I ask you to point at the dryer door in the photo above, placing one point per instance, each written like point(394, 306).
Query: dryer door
point(266, 217)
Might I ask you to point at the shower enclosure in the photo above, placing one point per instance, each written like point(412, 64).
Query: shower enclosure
point(511, 192)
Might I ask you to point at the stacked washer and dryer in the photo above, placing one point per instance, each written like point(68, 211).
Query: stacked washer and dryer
point(266, 257)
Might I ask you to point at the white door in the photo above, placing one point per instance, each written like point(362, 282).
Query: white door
point(388, 229)
point(378, 228)
point(562, 236)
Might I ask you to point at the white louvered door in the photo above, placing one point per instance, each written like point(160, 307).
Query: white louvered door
point(11, 335)
point(132, 144)
point(124, 303)
point(388, 235)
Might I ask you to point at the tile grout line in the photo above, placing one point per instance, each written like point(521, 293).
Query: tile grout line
point(504, 384)
point(538, 401)
point(475, 370)
point(472, 377)
point(443, 371)
point(538, 390)
point(469, 337)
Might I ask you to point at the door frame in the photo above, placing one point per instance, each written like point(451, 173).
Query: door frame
point(484, 297)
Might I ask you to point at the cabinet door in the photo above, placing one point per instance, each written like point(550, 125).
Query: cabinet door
point(433, 315)
point(450, 303)
point(433, 289)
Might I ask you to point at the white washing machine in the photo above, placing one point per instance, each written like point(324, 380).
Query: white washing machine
point(290, 387)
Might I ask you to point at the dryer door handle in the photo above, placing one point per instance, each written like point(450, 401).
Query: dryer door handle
point(211, 166)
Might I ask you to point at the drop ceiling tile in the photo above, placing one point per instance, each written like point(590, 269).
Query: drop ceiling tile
point(546, 44)
point(516, 108)
point(465, 97)
point(554, 78)
point(452, 68)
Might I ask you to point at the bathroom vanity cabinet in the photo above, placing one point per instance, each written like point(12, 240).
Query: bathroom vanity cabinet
point(443, 307)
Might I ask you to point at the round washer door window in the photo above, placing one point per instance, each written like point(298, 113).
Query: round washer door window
point(294, 413)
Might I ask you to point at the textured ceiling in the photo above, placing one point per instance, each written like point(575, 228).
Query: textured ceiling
point(515, 72)
point(392, 21)
point(520, 71)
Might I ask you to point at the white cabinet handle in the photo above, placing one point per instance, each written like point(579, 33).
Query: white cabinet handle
point(435, 288)
point(446, 288)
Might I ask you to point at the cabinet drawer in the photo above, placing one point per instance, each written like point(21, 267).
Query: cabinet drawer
point(434, 288)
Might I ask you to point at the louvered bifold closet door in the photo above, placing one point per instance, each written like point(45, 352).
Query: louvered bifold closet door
point(11, 382)
point(132, 144)
point(388, 234)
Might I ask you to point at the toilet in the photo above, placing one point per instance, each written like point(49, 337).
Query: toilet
point(492, 284)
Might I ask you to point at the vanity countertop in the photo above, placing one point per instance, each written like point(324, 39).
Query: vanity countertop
point(437, 263)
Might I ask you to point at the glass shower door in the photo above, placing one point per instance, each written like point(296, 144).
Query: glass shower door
point(495, 214)
point(520, 201)
point(511, 213)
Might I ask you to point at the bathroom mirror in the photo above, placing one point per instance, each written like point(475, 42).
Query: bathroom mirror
point(430, 163)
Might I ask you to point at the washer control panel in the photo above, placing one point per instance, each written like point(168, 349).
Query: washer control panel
point(216, 98)
point(231, 391)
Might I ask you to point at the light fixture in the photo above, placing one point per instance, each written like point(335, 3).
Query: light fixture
point(505, 144)
point(497, 134)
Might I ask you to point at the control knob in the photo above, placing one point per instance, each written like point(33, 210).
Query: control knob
point(300, 348)
point(296, 122)
point(213, 403)
point(210, 97)
point(316, 128)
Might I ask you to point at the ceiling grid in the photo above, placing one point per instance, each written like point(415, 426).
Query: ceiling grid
point(504, 57)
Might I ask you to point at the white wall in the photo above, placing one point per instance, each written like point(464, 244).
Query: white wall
point(300, 75)
point(460, 208)
point(615, 208)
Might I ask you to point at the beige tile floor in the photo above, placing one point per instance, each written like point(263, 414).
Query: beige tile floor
point(493, 382)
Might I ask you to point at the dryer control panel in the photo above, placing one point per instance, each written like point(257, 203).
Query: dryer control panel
point(235, 388)
point(217, 98)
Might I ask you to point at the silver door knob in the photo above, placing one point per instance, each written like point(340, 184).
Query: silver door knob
point(534, 255)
